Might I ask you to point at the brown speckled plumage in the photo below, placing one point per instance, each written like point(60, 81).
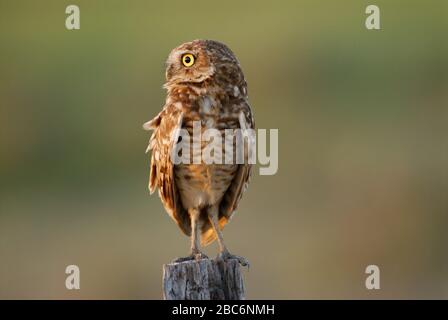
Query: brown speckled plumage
point(213, 91)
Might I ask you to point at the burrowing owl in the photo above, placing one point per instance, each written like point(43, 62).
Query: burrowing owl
point(205, 85)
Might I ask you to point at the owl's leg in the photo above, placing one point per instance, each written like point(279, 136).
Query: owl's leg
point(224, 253)
point(196, 253)
point(196, 234)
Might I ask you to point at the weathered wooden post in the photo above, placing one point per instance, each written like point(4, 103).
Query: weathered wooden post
point(205, 279)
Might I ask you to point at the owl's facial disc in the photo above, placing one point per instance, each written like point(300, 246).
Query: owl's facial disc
point(188, 63)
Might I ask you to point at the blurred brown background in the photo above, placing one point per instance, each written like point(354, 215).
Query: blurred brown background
point(363, 164)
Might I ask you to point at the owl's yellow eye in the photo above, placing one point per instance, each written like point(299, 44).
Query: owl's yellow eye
point(188, 59)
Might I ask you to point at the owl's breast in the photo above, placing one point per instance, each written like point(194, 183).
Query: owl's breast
point(202, 184)
point(211, 112)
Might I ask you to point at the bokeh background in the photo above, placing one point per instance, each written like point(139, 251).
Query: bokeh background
point(363, 161)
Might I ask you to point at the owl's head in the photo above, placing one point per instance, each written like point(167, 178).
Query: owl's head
point(199, 60)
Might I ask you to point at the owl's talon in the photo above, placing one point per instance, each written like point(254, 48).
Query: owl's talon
point(194, 256)
point(200, 256)
point(225, 255)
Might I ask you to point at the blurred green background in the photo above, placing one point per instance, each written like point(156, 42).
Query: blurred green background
point(363, 164)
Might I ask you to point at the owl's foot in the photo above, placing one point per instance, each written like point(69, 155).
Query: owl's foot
point(194, 256)
point(226, 255)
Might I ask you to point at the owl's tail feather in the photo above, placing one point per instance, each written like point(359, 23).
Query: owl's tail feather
point(209, 235)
